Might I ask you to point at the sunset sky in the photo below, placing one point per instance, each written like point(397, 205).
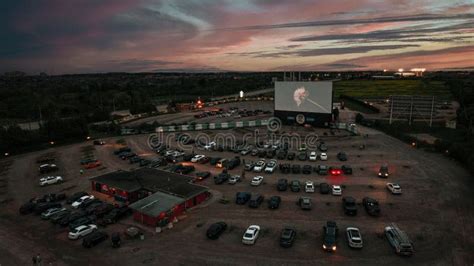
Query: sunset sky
point(85, 36)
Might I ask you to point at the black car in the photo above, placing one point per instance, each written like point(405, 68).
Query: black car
point(330, 232)
point(232, 163)
point(274, 202)
point(76, 196)
point(346, 169)
point(214, 160)
point(291, 156)
point(349, 205)
point(254, 152)
point(221, 178)
point(202, 175)
point(51, 197)
point(324, 188)
point(86, 203)
point(271, 153)
point(91, 208)
point(144, 162)
point(255, 200)
point(215, 230)
point(287, 237)
point(134, 159)
point(322, 169)
point(242, 198)
point(27, 208)
point(305, 203)
point(59, 216)
point(342, 156)
point(285, 168)
point(261, 153)
point(184, 169)
point(47, 168)
point(41, 207)
point(282, 184)
point(322, 147)
point(69, 218)
point(102, 209)
point(94, 239)
point(116, 214)
point(303, 156)
point(296, 168)
point(281, 155)
point(371, 206)
point(295, 186)
point(383, 171)
point(307, 169)
point(81, 221)
point(122, 150)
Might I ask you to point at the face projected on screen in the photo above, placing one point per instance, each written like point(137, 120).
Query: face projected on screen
point(300, 95)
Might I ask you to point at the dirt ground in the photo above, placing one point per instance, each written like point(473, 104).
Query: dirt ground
point(436, 211)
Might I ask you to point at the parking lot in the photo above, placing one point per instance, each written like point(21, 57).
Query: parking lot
point(435, 209)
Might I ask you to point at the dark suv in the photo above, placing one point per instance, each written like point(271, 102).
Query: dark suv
point(255, 201)
point(295, 186)
point(349, 205)
point(116, 214)
point(274, 202)
point(242, 198)
point(94, 239)
point(330, 236)
point(371, 206)
point(282, 184)
point(383, 172)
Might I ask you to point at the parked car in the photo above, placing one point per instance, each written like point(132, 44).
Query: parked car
point(81, 221)
point(94, 239)
point(399, 240)
point(371, 206)
point(249, 166)
point(354, 238)
point(309, 187)
point(295, 168)
point(335, 171)
point(251, 235)
point(304, 203)
point(76, 196)
point(349, 205)
point(324, 188)
point(246, 150)
point(394, 188)
point(346, 169)
point(215, 230)
point(271, 166)
point(232, 163)
point(134, 159)
point(55, 218)
point(197, 158)
point(234, 179)
point(307, 169)
point(102, 209)
point(295, 186)
point(330, 232)
point(256, 181)
point(214, 160)
point(291, 156)
point(81, 231)
point(49, 180)
point(274, 202)
point(322, 147)
point(336, 190)
point(47, 168)
point(282, 184)
point(323, 156)
point(98, 142)
point(383, 171)
point(202, 175)
point(302, 156)
point(281, 154)
point(27, 208)
point(71, 217)
point(39, 208)
point(209, 146)
point(342, 156)
point(222, 163)
point(254, 152)
point(242, 198)
point(259, 166)
point(221, 178)
point(50, 212)
point(116, 214)
point(313, 156)
point(76, 204)
point(255, 200)
point(285, 168)
point(287, 237)
point(322, 169)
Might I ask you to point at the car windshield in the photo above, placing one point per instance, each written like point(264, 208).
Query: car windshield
point(248, 235)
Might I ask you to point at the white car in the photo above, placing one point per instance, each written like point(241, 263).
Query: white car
point(394, 188)
point(50, 212)
point(78, 202)
point(271, 166)
point(336, 190)
point(313, 156)
point(256, 181)
point(81, 231)
point(49, 180)
point(323, 156)
point(354, 238)
point(309, 187)
point(210, 145)
point(198, 158)
point(234, 179)
point(259, 166)
point(251, 235)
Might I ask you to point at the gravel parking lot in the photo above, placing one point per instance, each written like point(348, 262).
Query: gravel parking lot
point(435, 209)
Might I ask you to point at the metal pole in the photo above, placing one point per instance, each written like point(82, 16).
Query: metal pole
point(391, 111)
point(432, 109)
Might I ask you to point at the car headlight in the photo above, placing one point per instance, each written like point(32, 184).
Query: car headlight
point(380, 173)
point(334, 248)
point(386, 174)
point(324, 246)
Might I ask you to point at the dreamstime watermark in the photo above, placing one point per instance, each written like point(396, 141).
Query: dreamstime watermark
point(272, 136)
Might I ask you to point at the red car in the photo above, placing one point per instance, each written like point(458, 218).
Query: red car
point(93, 165)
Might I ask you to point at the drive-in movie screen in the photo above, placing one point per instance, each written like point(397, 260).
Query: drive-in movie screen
point(314, 97)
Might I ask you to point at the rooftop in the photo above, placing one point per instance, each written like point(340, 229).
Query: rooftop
point(157, 203)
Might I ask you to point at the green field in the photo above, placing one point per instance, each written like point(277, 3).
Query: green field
point(385, 88)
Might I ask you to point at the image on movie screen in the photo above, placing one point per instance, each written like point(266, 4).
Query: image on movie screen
point(314, 97)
